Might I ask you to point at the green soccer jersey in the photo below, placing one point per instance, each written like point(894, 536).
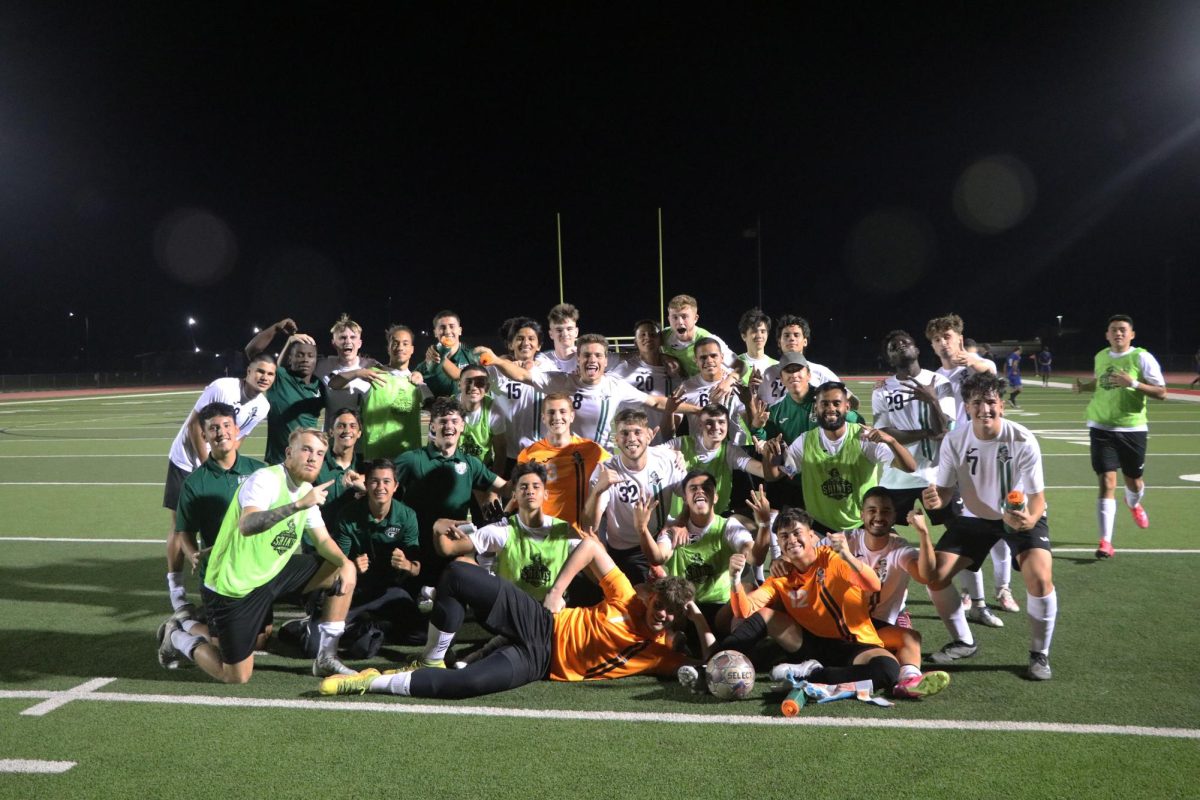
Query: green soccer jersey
point(437, 486)
point(357, 533)
point(705, 564)
point(239, 564)
point(790, 418)
point(751, 364)
point(336, 495)
point(717, 465)
point(437, 380)
point(1113, 406)
point(294, 404)
point(477, 433)
point(834, 483)
point(391, 417)
point(205, 497)
point(533, 562)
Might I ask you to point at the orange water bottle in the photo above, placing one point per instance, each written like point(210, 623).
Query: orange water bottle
point(1014, 501)
point(792, 704)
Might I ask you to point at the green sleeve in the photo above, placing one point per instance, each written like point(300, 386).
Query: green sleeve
point(481, 476)
point(183, 509)
point(343, 534)
point(410, 537)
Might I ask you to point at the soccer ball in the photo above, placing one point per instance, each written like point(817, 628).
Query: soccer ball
point(730, 675)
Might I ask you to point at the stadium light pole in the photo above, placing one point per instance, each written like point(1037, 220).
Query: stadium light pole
point(1060, 316)
point(191, 323)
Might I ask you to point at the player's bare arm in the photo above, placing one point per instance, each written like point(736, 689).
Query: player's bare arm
point(256, 520)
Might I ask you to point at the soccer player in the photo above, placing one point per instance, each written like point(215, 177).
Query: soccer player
point(710, 547)
point(391, 403)
point(529, 549)
point(296, 398)
point(1043, 360)
point(649, 370)
point(595, 396)
point(1118, 423)
point(1012, 372)
point(444, 359)
point(986, 461)
point(483, 424)
point(518, 403)
point(341, 465)
point(895, 561)
point(709, 449)
point(714, 383)
point(755, 329)
point(793, 334)
point(638, 472)
point(683, 312)
point(623, 635)
point(563, 324)
point(960, 360)
point(347, 341)
point(569, 460)
point(205, 495)
point(190, 449)
point(837, 463)
point(438, 480)
point(255, 561)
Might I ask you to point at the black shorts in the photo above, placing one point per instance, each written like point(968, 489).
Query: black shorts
point(973, 538)
point(832, 652)
point(906, 499)
point(1118, 450)
point(237, 621)
point(632, 562)
point(173, 485)
point(529, 628)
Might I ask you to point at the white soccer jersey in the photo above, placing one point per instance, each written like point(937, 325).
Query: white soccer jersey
point(521, 407)
point(490, 539)
point(975, 466)
point(696, 390)
point(893, 406)
point(772, 390)
point(548, 361)
point(891, 564)
point(659, 480)
point(654, 381)
point(596, 405)
point(736, 535)
point(956, 376)
point(222, 390)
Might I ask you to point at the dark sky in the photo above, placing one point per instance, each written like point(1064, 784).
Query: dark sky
point(1009, 162)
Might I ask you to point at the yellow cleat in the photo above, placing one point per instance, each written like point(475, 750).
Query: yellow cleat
point(416, 664)
point(358, 683)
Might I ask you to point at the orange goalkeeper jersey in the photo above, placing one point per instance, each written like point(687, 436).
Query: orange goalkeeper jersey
point(824, 599)
point(568, 469)
point(610, 640)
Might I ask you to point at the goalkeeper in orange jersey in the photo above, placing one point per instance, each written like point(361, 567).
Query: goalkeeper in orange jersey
point(623, 635)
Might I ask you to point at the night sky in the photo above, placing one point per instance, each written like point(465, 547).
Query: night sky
point(1003, 160)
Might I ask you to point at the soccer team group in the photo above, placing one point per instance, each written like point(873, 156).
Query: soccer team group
point(602, 521)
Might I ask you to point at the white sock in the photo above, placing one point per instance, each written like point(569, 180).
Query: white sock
point(972, 584)
point(1043, 611)
point(1132, 498)
point(330, 633)
point(394, 684)
point(188, 624)
point(1001, 563)
point(1106, 511)
point(436, 644)
point(176, 590)
point(909, 671)
point(185, 643)
point(949, 608)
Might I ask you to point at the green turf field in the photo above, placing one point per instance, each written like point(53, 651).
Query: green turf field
point(81, 575)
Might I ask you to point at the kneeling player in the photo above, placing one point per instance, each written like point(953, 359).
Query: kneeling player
point(623, 635)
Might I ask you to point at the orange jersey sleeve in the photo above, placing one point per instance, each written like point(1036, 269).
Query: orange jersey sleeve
point(610, 640)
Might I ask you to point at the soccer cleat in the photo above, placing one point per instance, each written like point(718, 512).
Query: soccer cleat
point(953, 652)
point(1039, 666)
point(922, 685)
point(692, 679)
point(1140, 517)
point(982, 615)
point(358, 683)
point(1004, 598)
point(1105, 550)
point(168, 656)
point(324, 666)
point(416, 664)
point(787, 675)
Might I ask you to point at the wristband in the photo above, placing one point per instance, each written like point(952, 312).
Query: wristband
point(1134, 385)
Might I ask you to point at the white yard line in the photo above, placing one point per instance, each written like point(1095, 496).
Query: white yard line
point(28, 765)
point(59, 699)
point(93, 398)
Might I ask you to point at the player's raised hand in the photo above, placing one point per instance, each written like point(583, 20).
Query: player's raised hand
point(608, 477)
point(317, 495)
point(643, 509)
point(759, 412)
point(921, 391)
point(449, 528)
point(760, 505)
point(837, 540)
point(416, 378)
point(931, 498)
point(779, 568)
point(286, 325)
point(373, 377)
point(737, 563)
point(918, 521)
point(756, 379)
point(432, 356)
point(679, 535)
point(354, 480)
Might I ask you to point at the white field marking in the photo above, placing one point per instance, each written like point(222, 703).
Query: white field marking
point(1192, 477)
point(17, 430)
point(42, 441)
point(59, 699)
point(92, 398)
point(1142, 551)
point(404, 707)
point(1044, 455)
point(77, 540)
point(93, 455)
point(28, 765)
point(138, 403)
point(73, 483)
point(1093, 486)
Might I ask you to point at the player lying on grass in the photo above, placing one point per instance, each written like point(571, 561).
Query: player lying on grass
point(257, 559)
point(819, 610)
point(626, 634)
